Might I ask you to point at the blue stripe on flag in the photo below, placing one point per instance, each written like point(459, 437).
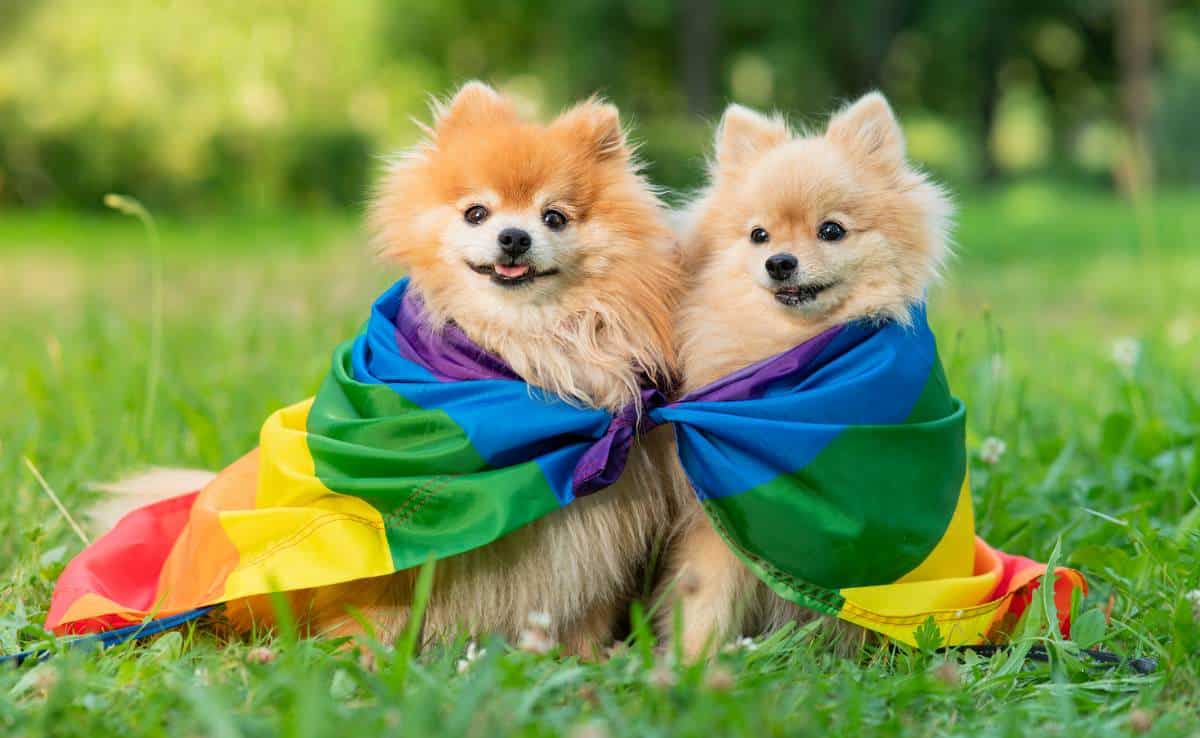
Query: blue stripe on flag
point(507, 421)
point(867, 375)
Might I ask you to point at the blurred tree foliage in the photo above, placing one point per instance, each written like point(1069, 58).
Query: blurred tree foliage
point(266, 103)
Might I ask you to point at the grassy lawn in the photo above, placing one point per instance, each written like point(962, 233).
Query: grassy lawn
point(1047, 286)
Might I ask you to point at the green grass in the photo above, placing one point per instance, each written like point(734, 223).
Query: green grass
point(1103, 459)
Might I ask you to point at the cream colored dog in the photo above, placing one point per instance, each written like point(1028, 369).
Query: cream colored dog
point(794, 234)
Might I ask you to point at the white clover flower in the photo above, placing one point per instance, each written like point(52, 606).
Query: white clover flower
point(1181, 331)
point(536, 638)
point(1125, 353)
point(742, 643)
point(992, 450)
point(260, 655)
point(473, 654)
point(1194, 598)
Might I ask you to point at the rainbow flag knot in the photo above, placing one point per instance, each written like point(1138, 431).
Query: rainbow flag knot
point(836, 471)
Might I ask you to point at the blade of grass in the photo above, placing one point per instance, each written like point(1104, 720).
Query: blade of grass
point(410, 640)
point(130, 206)
point(57, 502)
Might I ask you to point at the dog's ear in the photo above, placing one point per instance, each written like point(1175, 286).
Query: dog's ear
point(868, 130)
point(475, 103)
point(744, 135)
point(598, 125)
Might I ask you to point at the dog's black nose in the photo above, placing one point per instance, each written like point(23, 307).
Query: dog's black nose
point(781, 266)
point(514, 241)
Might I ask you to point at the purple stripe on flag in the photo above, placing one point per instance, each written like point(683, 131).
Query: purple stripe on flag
point(451, 356)
point(446, 352)
point(749, 382)
point(605, 459)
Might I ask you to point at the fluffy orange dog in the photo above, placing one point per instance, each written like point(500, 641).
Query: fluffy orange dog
point(546, 246)
point(795, 234)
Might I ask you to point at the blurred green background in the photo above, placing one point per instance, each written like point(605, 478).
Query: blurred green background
point(1069, 320)
point(270, 104)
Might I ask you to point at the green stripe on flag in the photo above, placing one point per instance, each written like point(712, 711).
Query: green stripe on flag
point(866, 511)
point(415, 465)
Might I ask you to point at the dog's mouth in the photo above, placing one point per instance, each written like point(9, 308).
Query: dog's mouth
point(798, 294)
point(511, 275)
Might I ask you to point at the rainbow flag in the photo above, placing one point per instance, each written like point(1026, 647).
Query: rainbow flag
point(836, 471)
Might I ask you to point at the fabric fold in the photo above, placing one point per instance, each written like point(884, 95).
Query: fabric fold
point(836, 471)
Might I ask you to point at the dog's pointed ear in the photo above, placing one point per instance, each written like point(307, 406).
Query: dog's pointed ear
point(744, 135)
point(473, 104)
point(598, 125)
point(868, 130)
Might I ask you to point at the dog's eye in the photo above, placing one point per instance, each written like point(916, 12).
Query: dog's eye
point(554, 220)
point(760, 235)
point(831, 231)
point(476, 214)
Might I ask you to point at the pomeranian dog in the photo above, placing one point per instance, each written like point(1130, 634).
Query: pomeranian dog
point(548, 248)
point(794, 234)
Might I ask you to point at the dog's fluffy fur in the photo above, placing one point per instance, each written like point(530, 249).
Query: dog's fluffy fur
point(764, 176)
point(586, 333)
point(587, 315)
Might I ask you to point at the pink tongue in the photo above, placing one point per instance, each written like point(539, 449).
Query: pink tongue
point(517, 270)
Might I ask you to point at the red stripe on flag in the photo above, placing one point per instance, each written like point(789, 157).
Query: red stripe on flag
point(124, 564)
point(1022, 576)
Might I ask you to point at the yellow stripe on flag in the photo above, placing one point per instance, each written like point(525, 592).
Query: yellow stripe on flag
point(300, 533)
point(945, 585)
point(965, 626)
point(954, 555)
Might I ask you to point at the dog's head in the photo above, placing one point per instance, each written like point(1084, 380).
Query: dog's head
point(830, 226)
point(524, 232)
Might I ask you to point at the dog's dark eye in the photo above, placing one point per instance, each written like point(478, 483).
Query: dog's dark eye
point(554, 220)
point(476, 214)
point(831, 231)
point(760, 235)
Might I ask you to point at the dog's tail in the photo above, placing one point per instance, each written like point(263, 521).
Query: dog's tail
point(153, 485)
